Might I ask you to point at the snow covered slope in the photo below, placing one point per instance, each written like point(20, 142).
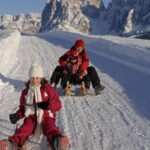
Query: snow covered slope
point(118, 119)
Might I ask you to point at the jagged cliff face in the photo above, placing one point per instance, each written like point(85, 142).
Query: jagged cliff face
point(27, 23)
point(90, 16)
point(72, 15)
point(128, 15)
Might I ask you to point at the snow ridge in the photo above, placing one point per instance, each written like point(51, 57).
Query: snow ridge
point(9, 51)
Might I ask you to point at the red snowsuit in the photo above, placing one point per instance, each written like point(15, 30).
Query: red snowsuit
point(48, 123)
point(82, 62)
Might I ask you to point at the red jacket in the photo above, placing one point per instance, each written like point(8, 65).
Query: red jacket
point(83, 60)
point(47, 93)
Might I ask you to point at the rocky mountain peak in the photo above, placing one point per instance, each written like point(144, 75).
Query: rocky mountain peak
point(27, 23)
point(134, 15)
point(71, 15)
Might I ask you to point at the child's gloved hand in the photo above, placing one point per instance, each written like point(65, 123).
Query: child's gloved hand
point(66, 69)
point(14, 118)
point(79, 72)
point(43, 105)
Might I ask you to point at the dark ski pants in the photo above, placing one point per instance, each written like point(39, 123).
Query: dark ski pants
point(94, 78)
point(56, 75)
point(48, 126)
point(71, 79)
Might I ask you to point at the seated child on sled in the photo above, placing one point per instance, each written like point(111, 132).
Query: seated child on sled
point(39, 103)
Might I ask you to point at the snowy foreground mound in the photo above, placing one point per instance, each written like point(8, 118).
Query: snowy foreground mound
point(9, 42)
point(118, 119)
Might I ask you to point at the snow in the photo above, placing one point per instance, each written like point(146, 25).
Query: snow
point(9, 45)
point(26, 23)
point(128, 26)
point(118, 119)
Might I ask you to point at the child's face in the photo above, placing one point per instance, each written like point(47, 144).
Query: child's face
point(79, 49)
point(35, 81)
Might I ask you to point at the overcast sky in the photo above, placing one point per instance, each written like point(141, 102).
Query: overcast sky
point(25, 6)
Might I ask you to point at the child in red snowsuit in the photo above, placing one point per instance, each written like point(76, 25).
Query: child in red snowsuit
point(39, 103)
point(74, 70)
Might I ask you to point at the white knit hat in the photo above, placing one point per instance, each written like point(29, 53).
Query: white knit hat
point(36, 70)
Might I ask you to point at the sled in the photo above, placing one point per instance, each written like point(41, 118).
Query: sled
point(83, 90)
point(7, 145)
point(68, 89)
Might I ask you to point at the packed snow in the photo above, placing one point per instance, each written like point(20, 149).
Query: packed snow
point(118, 119)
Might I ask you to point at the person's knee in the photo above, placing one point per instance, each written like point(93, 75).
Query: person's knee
point(58, 69)
point(91, 69)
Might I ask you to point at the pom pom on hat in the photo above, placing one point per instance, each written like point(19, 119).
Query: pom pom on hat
point(79, 43)
point(36, 70)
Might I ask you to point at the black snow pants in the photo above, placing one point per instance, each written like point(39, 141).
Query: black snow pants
point(92, 76)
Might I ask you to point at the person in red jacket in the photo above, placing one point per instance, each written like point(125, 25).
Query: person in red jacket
point(39, 103)
point(91, 71)
point(74, 70)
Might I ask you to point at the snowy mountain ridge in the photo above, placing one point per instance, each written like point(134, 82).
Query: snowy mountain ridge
point(27, 23)
point(91, 17)
point(86, 17)
point(134, 16)
point(73, 15)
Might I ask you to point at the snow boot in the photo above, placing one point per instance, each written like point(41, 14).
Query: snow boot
point(83, 89)
point(7, 145)
point(68, 89)
point(98, 89)
point(61, 143)
point(26, 146)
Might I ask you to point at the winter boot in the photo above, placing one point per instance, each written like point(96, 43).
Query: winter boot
point(98, 89)
point(83, 89)
point(7, 145)
point(68, 89)
point(26, 146)
point(61, 143)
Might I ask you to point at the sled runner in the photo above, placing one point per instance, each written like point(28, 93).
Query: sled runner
point(7, 145)
point(83, 90)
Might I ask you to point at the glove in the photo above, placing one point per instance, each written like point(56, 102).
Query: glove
point(14, 118)
point(66, 69)
point(79, 72)
point(43, 105)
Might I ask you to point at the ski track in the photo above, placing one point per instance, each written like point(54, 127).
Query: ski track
point(104, 122)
